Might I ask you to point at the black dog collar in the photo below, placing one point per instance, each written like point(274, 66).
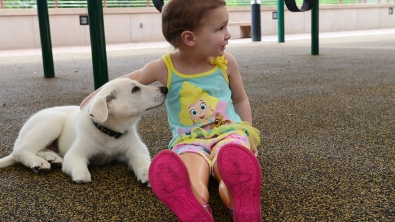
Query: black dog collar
point(108, 131)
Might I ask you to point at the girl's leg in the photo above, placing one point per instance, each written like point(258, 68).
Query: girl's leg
point(171, 183)
point(239, 175)
point(237, 139)
point(199, 174)
point(224, 193)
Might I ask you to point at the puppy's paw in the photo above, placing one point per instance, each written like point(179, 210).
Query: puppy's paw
point(52, 158)
point(142, 175)
point(140, 165)
point(81, 174)
point(78, 173)
point(82, 180)
point(41, 167)
point(56, 165)
point(82, 177)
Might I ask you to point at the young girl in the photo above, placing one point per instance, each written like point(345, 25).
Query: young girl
point(209, 116)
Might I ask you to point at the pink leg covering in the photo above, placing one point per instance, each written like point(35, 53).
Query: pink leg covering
point(241, 173)
point(170, 182)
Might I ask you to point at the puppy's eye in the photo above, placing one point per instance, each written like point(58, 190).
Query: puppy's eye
point(135, 89)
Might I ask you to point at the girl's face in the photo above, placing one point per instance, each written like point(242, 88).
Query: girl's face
point(212, 35)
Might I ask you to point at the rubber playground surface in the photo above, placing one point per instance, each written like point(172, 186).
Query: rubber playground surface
point(327, 126)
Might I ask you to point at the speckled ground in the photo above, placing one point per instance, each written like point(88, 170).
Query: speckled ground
point(327, 124)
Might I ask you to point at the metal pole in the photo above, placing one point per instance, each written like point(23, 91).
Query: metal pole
point(45, 36)
point(280, 20)
point(256, 20)
point(315, 28)
point(98, 42)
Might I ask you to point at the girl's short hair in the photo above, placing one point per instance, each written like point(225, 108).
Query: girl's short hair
point(183, 15)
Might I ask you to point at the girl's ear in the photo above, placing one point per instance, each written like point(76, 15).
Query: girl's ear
point(188, 38)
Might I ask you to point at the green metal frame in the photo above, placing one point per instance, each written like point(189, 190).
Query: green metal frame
point(315, 28)
point(314, 21)
point(45, 37)
point(98, 42)
point(280, 20)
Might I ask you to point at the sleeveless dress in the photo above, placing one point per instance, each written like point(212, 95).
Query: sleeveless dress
point(199, 106)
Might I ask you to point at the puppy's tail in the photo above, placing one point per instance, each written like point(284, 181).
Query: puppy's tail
point(7, 161)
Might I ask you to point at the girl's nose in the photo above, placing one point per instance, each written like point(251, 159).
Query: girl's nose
point(228, 35)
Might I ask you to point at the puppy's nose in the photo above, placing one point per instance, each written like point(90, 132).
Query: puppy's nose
point(164, 90)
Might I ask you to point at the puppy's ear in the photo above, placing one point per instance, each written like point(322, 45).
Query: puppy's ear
point(99, 108)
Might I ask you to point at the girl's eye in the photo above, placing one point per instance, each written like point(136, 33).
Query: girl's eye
point(222, 27)
point(193, 112)
point(203, 106)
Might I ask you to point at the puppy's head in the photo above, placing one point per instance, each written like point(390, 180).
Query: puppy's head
point(125, 98)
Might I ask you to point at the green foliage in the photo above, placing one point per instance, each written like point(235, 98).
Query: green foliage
point(68, 3)
point(231, 3)
point(14, 4)
point(126, 4)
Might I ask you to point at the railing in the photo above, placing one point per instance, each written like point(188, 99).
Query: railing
point(24, 4)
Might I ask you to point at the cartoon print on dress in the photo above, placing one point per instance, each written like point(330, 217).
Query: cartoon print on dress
point(219, 121)
point(199, 109)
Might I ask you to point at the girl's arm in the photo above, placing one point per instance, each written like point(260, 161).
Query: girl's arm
point(152, 72)
point(239, 96)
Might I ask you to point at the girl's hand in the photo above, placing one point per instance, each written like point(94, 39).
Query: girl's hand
point(254, 149)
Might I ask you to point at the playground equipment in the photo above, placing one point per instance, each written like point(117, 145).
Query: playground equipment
point(256, 33)
point(45, 34)
point(98, 43)
point(307, 5)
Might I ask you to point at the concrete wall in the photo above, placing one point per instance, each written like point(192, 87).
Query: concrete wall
point(19, 28)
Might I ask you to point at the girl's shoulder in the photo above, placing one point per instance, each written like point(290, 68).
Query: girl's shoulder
point(229, 57)
point(233, 67)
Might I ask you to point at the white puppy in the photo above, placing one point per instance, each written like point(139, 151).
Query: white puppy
point(105, 129)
